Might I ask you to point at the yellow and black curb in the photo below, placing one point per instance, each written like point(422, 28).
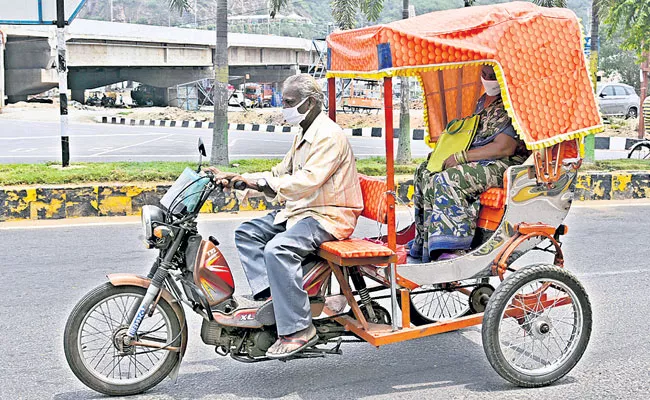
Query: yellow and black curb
point(57, 202)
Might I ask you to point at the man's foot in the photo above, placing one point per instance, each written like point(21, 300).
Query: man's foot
point(288, 345)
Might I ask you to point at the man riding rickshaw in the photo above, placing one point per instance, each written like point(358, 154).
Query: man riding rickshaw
point(499, 82)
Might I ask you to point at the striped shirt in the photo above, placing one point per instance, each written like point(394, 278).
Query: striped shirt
point(318, 178)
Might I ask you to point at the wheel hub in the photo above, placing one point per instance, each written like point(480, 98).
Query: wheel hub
point(122, 342)
point(541, 327)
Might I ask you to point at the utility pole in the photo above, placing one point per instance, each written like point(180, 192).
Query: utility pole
point(62, 68)
point(111, 7)
point(404, 142)
point(196, 10)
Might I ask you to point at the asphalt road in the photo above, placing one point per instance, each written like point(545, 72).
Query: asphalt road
point(32, 142)
point(45, 271)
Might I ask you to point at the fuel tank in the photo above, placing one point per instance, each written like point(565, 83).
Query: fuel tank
point(212, 274)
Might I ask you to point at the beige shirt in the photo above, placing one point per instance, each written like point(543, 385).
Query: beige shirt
point(318, 178)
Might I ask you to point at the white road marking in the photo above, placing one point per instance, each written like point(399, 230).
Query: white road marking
point(80, 136)
point(131, 145)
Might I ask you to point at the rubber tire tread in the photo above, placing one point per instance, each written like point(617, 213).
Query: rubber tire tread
point(496, 306)
point(74, 360)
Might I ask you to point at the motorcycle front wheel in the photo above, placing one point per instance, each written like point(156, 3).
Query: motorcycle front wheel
point(93, 341)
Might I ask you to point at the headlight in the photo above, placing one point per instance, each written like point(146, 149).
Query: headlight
point(151, 215)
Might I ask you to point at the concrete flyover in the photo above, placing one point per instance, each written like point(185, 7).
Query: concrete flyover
point(102, 53)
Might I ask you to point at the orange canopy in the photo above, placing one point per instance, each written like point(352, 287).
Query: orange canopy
point(536, 52)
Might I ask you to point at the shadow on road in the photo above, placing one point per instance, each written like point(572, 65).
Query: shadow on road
point(402, 370)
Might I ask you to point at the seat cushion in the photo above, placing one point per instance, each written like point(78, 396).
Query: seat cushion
point(493, 202)
point(356, 248)
point(374, 191)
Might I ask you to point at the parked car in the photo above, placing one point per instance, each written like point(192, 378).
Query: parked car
point(617, 99)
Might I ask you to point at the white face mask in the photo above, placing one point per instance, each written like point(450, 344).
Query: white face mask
point(293, 116)
point(491, 87)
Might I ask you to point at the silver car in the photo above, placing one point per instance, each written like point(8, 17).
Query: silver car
point(617, 99)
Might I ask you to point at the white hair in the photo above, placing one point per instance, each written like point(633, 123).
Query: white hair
point(306, 86)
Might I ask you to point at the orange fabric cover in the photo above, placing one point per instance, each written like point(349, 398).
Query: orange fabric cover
point(493, 197)
point(493, 203)
point(374, 191)
point(537, 53)
point(356, 248)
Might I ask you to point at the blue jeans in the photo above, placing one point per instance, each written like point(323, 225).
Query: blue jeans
point(272, 256)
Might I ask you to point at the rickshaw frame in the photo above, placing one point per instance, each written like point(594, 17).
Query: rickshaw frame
point(377, 335)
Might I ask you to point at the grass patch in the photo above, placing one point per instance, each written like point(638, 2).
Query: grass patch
point(618, 165)
point(52, 174)
point(125, 113)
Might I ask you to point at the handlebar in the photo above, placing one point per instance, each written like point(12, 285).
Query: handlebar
point(240, 185)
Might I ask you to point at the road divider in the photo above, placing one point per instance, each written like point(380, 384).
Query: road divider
point(602, 143)
point(97, 200)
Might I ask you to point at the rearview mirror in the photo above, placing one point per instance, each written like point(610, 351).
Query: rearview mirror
point(602, 95)
point(202, 148)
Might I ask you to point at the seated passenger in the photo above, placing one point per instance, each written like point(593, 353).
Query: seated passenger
point(446, 203)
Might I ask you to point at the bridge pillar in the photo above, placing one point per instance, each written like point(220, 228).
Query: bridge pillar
point(78, 95)
point(16, 98)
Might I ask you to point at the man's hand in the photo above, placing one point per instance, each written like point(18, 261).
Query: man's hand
point(223, 178)
point(450, 162)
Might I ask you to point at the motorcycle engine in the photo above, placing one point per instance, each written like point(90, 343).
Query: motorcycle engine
point(257, 342)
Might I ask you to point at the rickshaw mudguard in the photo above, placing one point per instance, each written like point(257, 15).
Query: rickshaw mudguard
point(527, 202)
point(124, 279)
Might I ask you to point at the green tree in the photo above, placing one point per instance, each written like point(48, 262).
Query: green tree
point(614, 60)
point(550, 3)
point(632, 18)
point(219, 153)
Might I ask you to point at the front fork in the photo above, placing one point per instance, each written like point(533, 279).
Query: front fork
point(160, 272)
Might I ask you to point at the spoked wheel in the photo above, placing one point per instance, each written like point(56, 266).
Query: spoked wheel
point(95, 349)
point(537, 325)
point(640, 151)
point(441, 302)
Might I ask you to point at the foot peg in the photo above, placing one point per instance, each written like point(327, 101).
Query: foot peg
point(315, 352)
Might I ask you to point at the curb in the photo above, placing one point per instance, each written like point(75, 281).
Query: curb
point(615, 143)
point(601, 143)
point(416, 134)
point(58, 202)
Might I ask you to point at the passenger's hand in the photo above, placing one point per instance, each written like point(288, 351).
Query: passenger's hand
point(450, 162)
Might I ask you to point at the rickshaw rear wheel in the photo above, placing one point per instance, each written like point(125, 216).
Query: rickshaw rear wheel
point(442, 302)
point(537, 325)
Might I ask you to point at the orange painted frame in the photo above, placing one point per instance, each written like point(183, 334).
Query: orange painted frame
point(379, 335)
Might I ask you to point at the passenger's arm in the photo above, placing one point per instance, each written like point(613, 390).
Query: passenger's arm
point(502, 146)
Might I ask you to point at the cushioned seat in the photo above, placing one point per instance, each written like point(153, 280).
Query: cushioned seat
point(356, 248)
point(375, 208)
point(493, 202)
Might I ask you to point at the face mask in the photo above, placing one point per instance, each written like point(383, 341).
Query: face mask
point(293, 116)
point(491, 87)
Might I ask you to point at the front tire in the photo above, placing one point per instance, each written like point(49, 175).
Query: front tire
point(530, 336)
point(93, 332)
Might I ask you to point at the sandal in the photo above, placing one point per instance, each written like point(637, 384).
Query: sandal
point(289, 340)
